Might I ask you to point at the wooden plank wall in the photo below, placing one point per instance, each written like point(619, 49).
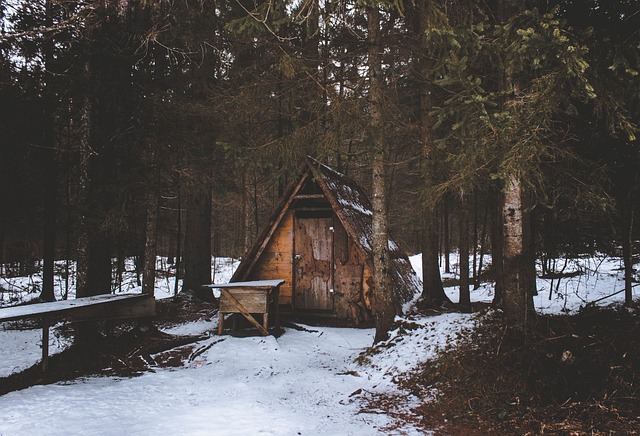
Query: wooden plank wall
point(275, 261)
point(352, 278)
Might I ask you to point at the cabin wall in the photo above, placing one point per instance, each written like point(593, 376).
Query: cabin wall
point(275, 261)
point(352, 277)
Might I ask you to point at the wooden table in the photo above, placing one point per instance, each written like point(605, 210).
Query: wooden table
point(96, 308)
point(249, 298)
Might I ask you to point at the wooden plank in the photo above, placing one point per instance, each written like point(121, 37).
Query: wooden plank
point(250, 284)
point(314, 264)
point(340, 242)
point(309, 197)
point(313, 209)
point(100, 307)
point(252, 300)
point(86, 308)
point(276, 260)
point(247, 315)
point(348, 296)
point(264, 241)
point(276, 302)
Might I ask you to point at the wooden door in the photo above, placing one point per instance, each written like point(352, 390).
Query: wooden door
point(313, 263)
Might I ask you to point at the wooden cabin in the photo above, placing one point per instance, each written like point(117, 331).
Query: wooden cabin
point(319, 241)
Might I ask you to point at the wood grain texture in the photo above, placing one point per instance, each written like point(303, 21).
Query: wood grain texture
point(276, 259)
point(313, 263)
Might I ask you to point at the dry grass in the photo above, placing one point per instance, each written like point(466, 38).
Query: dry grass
point(570, 375)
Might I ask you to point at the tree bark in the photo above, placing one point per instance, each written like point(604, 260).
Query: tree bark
point(84, 151)
point(463, 249)
point(246, 217)
point(50, 183)
point(482, 241)
point(99, 270)
point(101, 110)
point(150, 245)
point(628, 213)
point(178, 243)
point(197, 244)
point(497, 249)
point(433, 292)
point(384, 304)
point(50, 175)
point(518, 296)
point(446, 236)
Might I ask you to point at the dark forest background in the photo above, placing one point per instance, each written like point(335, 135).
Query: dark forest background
point(143, 128)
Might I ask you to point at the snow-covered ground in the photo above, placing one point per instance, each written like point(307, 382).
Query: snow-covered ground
point(304, 382)
point(20, 348)
point(25, 288)
point(297, 384)
point(598, 280)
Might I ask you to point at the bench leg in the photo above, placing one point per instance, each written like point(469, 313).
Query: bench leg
point(220, 322)
point(277, 310)
point(45, 345)
point(265, 321)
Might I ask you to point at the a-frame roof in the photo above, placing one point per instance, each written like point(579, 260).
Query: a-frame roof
point(353, 208)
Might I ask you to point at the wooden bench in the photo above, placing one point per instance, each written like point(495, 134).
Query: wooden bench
point(249, 298)
point(96, 308)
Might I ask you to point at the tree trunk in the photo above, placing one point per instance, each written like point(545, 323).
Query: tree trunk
point(497, 250)
point(178, 243)
point(433, 292)
point(384, 304)
point(246, 217)
point(3, 248)
point(150, 245)
point(446, 236)
point(518, 296)
point(627, 255)
point(82, 257)
point(463, 249)
point(474, 243)
point(50, 175)
point(482, 242)
point(628, 212)
point(197, 244)
point(99, 271)
point(50, 183)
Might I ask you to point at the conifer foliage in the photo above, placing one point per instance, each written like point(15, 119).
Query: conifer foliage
point(136, 128)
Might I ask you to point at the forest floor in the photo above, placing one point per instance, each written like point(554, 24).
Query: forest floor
point(442, 373)
point(571, 375)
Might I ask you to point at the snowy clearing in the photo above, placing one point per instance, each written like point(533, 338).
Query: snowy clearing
point(300, 383)
point(304, 382)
